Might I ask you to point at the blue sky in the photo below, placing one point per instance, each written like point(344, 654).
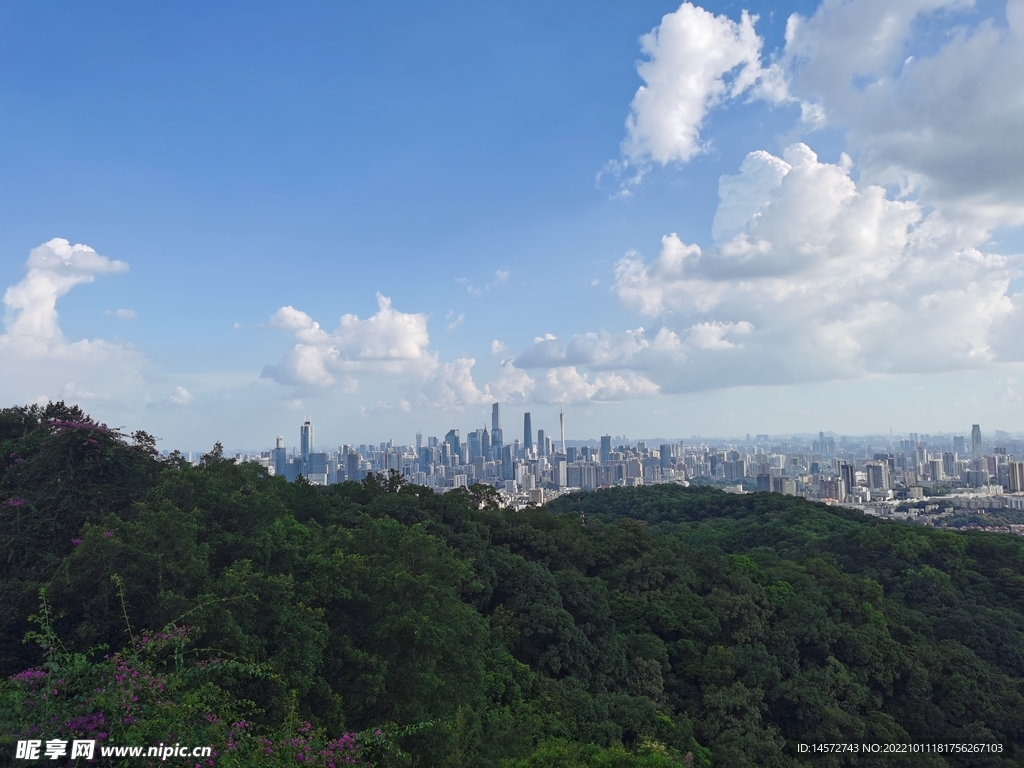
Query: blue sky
point(463, 181)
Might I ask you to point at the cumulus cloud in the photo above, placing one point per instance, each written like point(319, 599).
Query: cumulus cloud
point(825, 279)
point(180, 396)
point(694, 61)
point(568, 385)
point(631, 349)
point(453, 388)
point(54, 268)
point(34, 345)
point(388, 342)
point(928, 97)
point(942, 120)
point(498, 347)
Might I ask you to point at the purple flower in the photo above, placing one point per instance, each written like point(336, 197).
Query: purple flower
point(107, 534)
point(76, 542)
point(16, 502)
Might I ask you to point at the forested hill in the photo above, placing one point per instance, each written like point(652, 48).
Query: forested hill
point(652, 627)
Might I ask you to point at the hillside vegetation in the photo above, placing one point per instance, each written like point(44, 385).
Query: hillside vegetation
point(382, 623)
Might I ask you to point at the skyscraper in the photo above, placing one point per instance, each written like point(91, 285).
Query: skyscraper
point(976, 441)
point(306, 439)
point(561, 428)
point(527, 432)
point(454, 446)
point(606, 448)
point(352, 467)
point(665, 453)
point(495, 417)
point(1015, 476)
point(280, 457)
point(541, 443)
point(959, 446)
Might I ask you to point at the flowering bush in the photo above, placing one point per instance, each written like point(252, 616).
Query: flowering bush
point(156, 690)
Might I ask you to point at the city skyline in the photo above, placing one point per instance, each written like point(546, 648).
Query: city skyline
point(934, 480)
point(659, 217)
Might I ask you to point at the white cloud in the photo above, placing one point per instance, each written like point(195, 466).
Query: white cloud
point(33, 344)
point(712, 335)
point(54, 268)
point(498, 347)
point(600, 351)
point(453, 387)
point(695, 60)
point(824, 280)
point(928, 95)
point(568, 385)
point(943, 119)
point(388, 342)
point(121, 314)
point(500, 276)
point(180, 396)
point(455, 321)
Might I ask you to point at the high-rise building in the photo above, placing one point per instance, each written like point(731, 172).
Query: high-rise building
point(352, 467)
point(960, 446)
point(878, 475)
point(848, 474)
point(975, 441)
point(454, 446)
point(527, 432)
point(1015, 476)
point(561, 429)
point(541, 443)
point(606, 448)
point(280, 457)
point(473, 445)
point(306, 439)
point(665, 452)
point(495, 417)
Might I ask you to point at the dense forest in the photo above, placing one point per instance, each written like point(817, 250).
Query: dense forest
point(146, 600)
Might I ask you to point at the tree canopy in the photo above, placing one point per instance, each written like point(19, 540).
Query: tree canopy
point(649, 626)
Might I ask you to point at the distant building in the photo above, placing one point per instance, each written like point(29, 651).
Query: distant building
point(1015, 476)
point(527, 433)
point(976, 441)
point(279, 457)
point(306, 439)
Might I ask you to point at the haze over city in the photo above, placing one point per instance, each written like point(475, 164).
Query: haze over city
point(668, 220)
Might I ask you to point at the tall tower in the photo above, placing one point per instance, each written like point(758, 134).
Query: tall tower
point(306, 439)
point(495, 417)
point(527, 432)
point(976, 441)
point(561, 428)
point(280, 456)
point(419, 441)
